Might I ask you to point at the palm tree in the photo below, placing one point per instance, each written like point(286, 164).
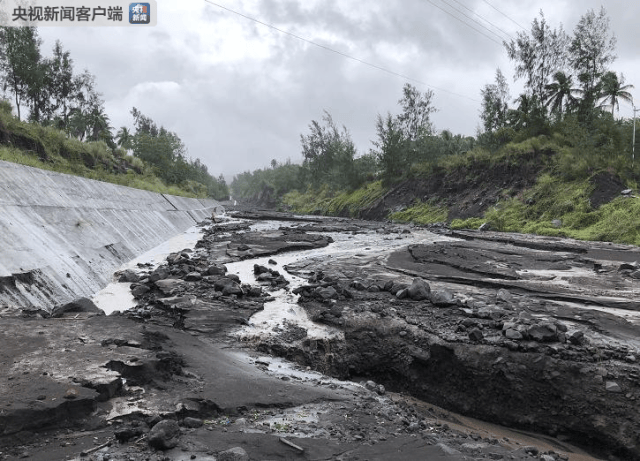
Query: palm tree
point(560, 91)
point(612, 90)
point(124, 138)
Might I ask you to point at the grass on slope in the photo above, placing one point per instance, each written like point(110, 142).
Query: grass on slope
point(50, 149)
point(325, 201)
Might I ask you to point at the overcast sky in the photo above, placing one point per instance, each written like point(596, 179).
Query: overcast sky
point(239, 94)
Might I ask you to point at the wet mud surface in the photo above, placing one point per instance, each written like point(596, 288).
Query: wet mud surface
point(397, 344)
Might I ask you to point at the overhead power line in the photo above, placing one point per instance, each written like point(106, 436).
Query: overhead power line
point(465, 23)
point(504, 15)
point(344, 55)
point(484, 19)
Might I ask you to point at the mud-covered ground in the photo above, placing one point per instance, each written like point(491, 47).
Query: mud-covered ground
point(537, 335)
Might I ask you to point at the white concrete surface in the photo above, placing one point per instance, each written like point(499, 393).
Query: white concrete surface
point(62, 236)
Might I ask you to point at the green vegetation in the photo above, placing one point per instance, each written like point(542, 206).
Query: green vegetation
point(559, 138)
point(421, 213)
point(67, 129)
point(328, 202)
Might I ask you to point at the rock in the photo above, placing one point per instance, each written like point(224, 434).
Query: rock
point(419, 290)
point(233, 454)
point(127, 433)
point(395, 287)
point(164, 435)
point(531, 450)
point(159, 274)
point(547, 458)
point(490, 312)
point(139, 290)
point(402, 294)
point(169, 286)
point(476, 335)
point(217, 269)
point(627, 192)
point(272, 262)
point(178, 301)
point(71, 394)
point(484, 227)
point(265, 277)
point(575, 337)
point(128, 276)
point(327, 293)
point(503, 296)
point(79, 305)
point(194, 276)
point(192, 422)
point(628, 266)
point(612, 386)
point(543, 332)
point(373, 387)
point(232, 289)
point(358, 285)
point(442, 298)
point(513, 334)
point(556, 223)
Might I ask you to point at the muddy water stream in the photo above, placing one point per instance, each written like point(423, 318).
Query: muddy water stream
point(284, 309)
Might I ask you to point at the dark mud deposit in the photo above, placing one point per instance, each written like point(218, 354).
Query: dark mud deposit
point(535, 334)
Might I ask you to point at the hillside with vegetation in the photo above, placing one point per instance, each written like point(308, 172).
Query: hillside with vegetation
point(54, 118)
point(552, 161)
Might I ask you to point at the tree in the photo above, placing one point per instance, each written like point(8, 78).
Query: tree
point(62, 86)
point(415, 119)
point(21, 66)
point(559, 94)
point(538, 56)
point(124, 138)
point(591, 51)
point(495, 103)
point(612, 90)
point(328, 154)
point(391, 148)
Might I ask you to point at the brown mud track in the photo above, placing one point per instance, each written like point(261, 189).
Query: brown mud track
point(513, 330)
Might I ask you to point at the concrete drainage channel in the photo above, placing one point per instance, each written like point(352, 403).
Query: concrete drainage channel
point(367, 302)
point(62, 236)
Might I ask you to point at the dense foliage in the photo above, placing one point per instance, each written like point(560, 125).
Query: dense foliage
point(565, 118)
point(51, 94)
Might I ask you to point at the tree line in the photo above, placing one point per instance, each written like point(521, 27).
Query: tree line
point(569, 89)
point(564, 76)
point(49, 91)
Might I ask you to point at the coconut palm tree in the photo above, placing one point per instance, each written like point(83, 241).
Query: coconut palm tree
point(124, 138)
point(612, 90)
point(560, 94)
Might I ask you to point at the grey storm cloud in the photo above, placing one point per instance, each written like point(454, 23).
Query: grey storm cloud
point(239, 93)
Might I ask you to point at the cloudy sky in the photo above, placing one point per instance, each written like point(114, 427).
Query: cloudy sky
point(239, 93)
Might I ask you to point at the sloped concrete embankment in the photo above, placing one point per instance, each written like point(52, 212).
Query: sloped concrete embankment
point(62, 236)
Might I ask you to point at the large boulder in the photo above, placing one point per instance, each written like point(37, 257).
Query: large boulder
point(164, 435)
point(419, 290)
point(79, 305)
point(543, 332)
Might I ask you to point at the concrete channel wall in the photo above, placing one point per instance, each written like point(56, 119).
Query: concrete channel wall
point(62, 236)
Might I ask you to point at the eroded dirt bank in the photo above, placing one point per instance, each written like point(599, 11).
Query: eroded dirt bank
point(488, 328)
